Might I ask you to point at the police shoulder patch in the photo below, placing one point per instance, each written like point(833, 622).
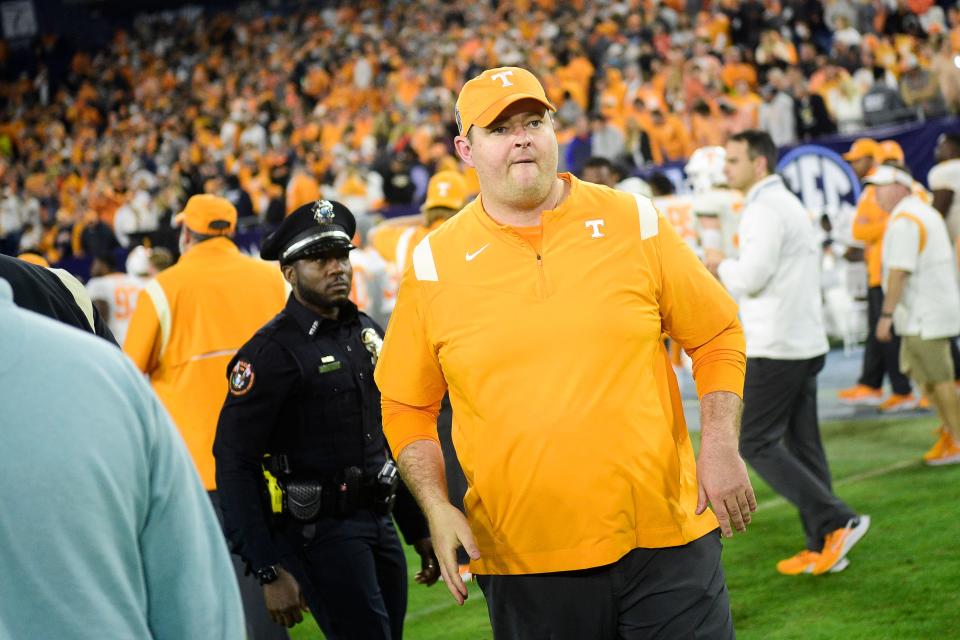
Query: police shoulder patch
point(241, 377)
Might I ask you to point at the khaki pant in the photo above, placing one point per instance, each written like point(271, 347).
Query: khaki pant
point(926, 361)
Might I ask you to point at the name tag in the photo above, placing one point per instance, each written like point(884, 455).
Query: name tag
point(328, 364)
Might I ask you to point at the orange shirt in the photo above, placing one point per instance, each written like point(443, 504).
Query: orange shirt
point(735, 72)
point(868, 227)
point(568, 420)
point(669, 141)
point(189, 322)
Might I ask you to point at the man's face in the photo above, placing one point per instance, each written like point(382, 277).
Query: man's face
point(861, 166)
point(515, 157)
point(323, 280)
point(888, 195)
point(738, 168)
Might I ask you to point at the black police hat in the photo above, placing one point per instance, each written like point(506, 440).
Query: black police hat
point(318, 227)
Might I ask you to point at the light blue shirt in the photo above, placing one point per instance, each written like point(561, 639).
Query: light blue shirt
point(105, 529)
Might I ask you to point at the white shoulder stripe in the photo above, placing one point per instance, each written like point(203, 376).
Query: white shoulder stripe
point(649, 218)
point(162, 306)
point(423, 265)
point(403, 244)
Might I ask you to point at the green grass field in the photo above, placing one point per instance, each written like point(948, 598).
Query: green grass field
point(904, 577)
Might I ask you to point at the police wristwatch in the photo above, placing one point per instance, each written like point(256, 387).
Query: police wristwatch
point(267, 575)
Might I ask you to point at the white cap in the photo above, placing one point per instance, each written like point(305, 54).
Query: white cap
point(886, 174)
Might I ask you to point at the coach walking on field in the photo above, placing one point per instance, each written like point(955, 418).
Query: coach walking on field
point(541, 307)
point(777, 279)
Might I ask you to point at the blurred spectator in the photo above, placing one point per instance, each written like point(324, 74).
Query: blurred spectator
point(846, 103)
point(579, 148)
point(776, 114)
point(919, 89)
point(844, 32)
point(669, 139)
point(636, 144)
point(813, 119)
point(947, 74)
point(606, 140)
point(882, 104)
point(600, 170)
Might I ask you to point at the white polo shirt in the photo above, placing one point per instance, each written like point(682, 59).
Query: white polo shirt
point(916, 241)
point(776, 277)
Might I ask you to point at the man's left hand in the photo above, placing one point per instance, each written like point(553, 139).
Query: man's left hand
point(885, 329)
point(429, 565)
point(725, 485)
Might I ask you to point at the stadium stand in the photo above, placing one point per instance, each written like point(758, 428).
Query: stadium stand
point(100, 145)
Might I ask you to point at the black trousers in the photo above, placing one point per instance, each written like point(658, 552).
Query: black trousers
point(881, 358)
point(780, 438)
point(353, 575)
point(259, 624)
point(673, 593)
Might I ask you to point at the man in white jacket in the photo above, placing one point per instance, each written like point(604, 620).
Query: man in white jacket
point(921, 296)
point(777, 282)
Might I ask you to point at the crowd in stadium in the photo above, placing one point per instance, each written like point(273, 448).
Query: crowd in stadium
point(355, 102)
point(360, 147)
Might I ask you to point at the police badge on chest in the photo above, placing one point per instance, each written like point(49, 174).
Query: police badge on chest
point(373, 343)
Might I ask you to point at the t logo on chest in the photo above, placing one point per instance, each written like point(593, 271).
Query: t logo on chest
point(595, 225)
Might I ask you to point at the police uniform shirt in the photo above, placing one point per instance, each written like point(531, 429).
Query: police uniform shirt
point(303, 387)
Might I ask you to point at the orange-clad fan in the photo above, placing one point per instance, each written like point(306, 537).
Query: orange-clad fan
point(396, 238)
point(195, 315)
point(188, 324)
point(540, 308)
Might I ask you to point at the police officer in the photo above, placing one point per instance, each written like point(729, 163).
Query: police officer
point(305, 478)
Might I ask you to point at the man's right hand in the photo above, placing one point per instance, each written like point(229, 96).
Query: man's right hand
point(449, 531)
point(284, 599)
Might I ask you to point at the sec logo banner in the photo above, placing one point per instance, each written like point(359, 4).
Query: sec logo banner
point(825, 183)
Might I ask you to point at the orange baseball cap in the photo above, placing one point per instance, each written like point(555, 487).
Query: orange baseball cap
point(862, 148)
point(446, 189)
point(208, 214)
point(485, 97)
point(890, 150)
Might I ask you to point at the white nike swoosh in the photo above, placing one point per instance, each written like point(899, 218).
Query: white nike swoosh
point(471, 256)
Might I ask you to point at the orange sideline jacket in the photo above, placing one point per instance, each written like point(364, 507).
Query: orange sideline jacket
point(567, 417)
point(189, 322)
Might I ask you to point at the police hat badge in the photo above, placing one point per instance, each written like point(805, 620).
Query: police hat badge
point(372, 342)
point(323, 212)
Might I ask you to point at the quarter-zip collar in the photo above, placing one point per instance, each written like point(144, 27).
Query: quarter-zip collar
point(548, 217)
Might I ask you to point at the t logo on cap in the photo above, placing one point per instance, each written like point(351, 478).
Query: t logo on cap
point(503, 77)
point(484, 98)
